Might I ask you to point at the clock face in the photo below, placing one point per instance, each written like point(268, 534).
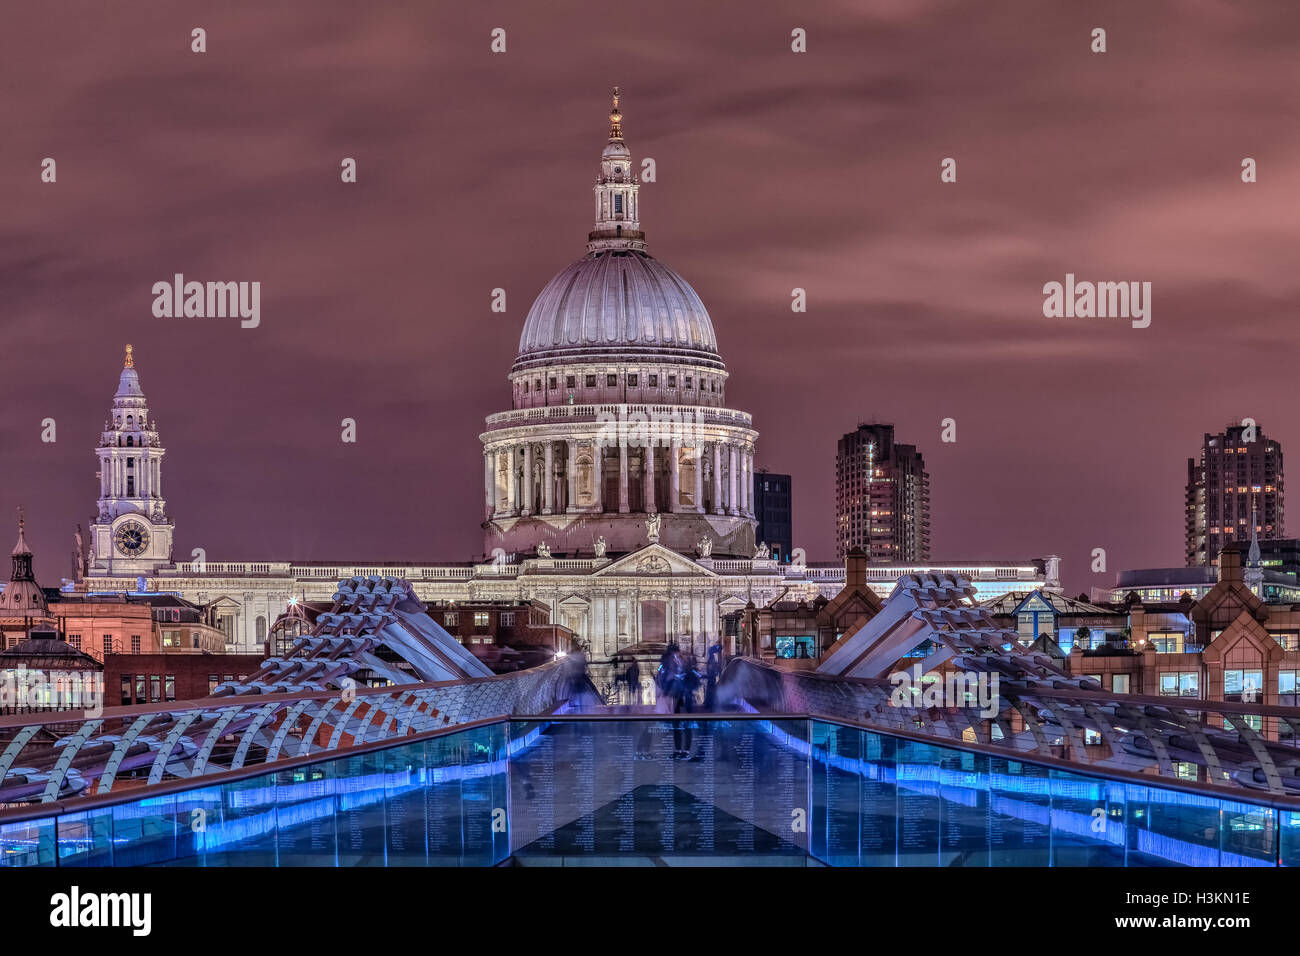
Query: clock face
point(131, 538)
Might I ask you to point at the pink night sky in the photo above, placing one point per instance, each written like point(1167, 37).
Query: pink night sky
point(775, 170)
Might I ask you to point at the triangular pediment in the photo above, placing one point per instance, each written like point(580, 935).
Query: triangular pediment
point(1244, 629)
point(1223, 599)
point(850, 604)
point(654, 560)
point(1034, 602)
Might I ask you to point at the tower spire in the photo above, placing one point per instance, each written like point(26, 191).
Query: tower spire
point(21, 546)
point(1254, 573)
point(1254, 538)
point(131, 532)
point(22, 594)
point(618, 223)
point(615, 121)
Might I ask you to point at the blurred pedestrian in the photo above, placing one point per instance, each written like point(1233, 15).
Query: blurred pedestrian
point(683, 684)
point(712, 670)
point(663, 678)
point(634, 682)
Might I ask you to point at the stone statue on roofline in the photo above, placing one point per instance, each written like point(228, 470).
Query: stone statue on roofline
point(705, 546)
point(652, 523)
point(78, 555)
point(1052, 573)
point(543, 550)
point(599, 546)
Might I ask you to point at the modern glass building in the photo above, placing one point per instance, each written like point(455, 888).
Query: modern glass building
point(772, 508)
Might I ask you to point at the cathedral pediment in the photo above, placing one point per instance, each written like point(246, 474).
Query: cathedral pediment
point(656, 560)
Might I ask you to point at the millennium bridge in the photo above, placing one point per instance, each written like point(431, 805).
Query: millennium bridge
point(306, 763)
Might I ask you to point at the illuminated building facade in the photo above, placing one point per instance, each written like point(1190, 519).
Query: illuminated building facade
point(1234, 489)
point(882, 497)
point(618, 489)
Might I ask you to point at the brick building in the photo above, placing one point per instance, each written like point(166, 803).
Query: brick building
point(505, 635)
point(159, 677)
point(1230, 645)
point(792, 632)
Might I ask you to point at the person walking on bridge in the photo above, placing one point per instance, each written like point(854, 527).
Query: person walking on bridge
point(633, 682)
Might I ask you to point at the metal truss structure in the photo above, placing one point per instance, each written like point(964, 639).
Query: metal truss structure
point(978, 686)
point(975, 688)
point(311, 700)
point(377, 630)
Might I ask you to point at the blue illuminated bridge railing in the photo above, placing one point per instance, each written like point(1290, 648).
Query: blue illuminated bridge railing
point(576, 789)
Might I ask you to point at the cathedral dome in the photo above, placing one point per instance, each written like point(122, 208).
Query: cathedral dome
point(618, 301)
point(618, 337)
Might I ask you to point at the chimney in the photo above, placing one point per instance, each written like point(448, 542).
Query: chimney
point(1231, 564)
point(855, 568)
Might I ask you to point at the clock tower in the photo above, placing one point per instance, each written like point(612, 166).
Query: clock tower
point(131, 533)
